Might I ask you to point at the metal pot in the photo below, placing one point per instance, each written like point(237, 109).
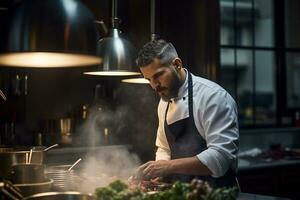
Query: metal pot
point(13, 193)
point(27, 173)
point(28, 189)
point(63, 178)
point(14, 156)
point(61, 196)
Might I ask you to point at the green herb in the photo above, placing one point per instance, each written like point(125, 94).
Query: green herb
point(196, 190)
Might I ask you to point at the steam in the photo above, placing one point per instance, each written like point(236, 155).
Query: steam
point(124, 124)
point(104, 167)
point(101, 166)
point(94, 130)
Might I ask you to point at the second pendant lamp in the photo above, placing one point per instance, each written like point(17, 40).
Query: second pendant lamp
point(153, 36)
point(117, 53)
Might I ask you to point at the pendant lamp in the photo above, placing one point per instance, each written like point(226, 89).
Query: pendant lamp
point(153, 36)
point(117, 53)
point(49, 33)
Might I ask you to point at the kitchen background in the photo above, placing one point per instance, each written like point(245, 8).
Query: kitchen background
point(250, 47)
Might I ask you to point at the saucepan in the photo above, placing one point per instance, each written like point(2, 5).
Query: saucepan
point(61, 196)
point(28, 189)
point(20, 155)
point(27, 173)
point(14, 193)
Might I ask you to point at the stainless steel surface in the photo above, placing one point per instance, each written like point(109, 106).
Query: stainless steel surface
point(17, 155)
point(11, 191)
point(14, 156)
point(65, 130)
point(70, 168)
point(63, 178)
point(36, 18)
point(50, 147)
point(27, 173)
point(61, 196)
point(28, 189)
point(117, 53)
point(2, 95)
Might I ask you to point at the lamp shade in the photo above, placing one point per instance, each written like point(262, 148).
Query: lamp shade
point(135, 80)
point(118, 56)
point(49, 33)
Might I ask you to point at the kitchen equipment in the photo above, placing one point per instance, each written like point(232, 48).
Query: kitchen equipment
point(27, 173)
point(28, 189)
point(10, 191)
point(74, 164)
point(50, 147)
point(61, 196)
point(77, 48)
point(13, 156)
point(63, 178)
point(65, 129)
point(118, 54)
point(13, 192)
point(2, 95)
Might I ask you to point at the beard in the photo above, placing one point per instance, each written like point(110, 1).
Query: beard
point(166, 93)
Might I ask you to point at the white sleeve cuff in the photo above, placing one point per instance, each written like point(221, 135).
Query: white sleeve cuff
point(162, 154)
point(214, 161)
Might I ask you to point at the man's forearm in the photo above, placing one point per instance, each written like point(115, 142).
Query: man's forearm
point(188, 166)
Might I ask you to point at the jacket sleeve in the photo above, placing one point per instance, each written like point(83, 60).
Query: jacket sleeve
point(220, 123)
point(163, 149)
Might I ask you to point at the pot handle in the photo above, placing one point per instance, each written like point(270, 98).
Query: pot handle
point(52, 146)
point(11, 191)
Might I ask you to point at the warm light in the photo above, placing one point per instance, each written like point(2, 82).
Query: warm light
point(136, 81)
point(44, 60)
point(112, 73)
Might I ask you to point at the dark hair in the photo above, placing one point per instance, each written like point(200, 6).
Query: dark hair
point(159, 49)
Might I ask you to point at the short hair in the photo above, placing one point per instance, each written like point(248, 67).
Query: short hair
point(159, 49)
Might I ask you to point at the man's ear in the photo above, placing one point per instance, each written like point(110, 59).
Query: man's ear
point(177, 63)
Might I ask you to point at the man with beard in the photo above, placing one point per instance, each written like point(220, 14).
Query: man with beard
point(198, 131)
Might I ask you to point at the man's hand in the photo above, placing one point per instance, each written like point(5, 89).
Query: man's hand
point(154, 169)
point(162, 168)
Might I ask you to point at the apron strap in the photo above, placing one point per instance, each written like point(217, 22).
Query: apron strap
point(190, 96)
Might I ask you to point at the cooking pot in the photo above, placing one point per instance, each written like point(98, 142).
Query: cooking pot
point(27, 173)
point(63, 178)
point(18, 155)
point(12, 192)
point(61, 196)
point(28, 189)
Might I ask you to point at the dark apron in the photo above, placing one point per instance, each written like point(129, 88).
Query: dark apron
point(185, 141)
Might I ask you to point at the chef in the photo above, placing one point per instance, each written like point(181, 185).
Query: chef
point(198, 131)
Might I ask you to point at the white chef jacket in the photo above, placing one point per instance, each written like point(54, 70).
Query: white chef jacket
point(215, 116)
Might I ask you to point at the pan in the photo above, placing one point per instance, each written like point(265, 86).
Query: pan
point(19, 155)
point(12, 192)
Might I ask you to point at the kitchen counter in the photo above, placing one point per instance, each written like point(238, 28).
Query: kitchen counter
point(270, 177)
point(253, 163)
point(248, 196)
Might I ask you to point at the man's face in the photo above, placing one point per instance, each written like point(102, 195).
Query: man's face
point(163, 79)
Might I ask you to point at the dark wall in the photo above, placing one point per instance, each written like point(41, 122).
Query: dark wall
point(192, 26)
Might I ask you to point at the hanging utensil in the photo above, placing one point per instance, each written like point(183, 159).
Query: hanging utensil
point(52, 146)
point(3, 96)
point(74, 164)
point(30, 156)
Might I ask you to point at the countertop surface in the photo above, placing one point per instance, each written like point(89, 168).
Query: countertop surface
point(252, 163)
point(247, 196)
